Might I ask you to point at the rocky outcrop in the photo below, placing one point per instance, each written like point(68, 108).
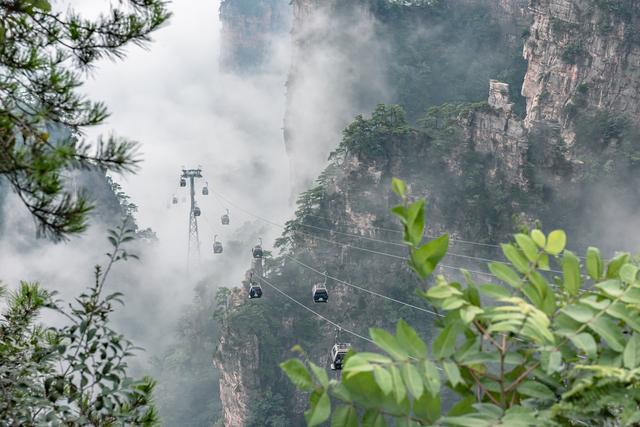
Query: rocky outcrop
point(237, 359)
point(582, 55)
point(497, 131)
point(249, 29)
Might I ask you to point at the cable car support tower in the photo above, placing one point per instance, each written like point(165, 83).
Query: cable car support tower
point(194, 238)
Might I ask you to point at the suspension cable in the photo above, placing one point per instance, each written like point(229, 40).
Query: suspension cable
point(328, 276)
point(338, 243)
point(266, 282)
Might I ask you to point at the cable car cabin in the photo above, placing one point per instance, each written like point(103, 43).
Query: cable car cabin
point(205, 191)
point(320, 293)
point(183, 182)
point(225, 218)
point(255, 290)
point(217, 247)
point(338, 353)
point(196, 211)
point(174, 200)
point(256, 251)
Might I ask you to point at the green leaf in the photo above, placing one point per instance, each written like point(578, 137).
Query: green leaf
point(425, 259)
point(515, 257)
point(631, 354)
point(442, 291)
point(388, 343)
point(556, 242)
point(528, 246)
point(344, 416)
point(444, 345)
point(432, 377)
point(409, 340)
point(399, 187)
point(629, 273)
point(579, 312)
point(373, 418)
point(469, 313)
point(614, 265)
point(538, 237)
point(427, 407)
point(595, 266)
point(320, 374)
point(412, 379)
point(399, 390)
point(415, 223)
point(298, 374)
point(383, 379)
point(495, 291)
point(319, 411)
point(536, 390)
point(585, 342)
point(453, 373)
point(505, 273)
point(462, 407)
point(553, 361)
point(43, 5)
point(611, 287)
point(609, 331)
point(571, 273)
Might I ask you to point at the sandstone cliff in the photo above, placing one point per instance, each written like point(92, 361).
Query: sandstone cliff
point(582, 55)
point(249, 28)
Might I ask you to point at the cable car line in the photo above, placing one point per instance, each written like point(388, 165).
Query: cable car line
point(361, 288)
point(367, 238)
point(341, 328)
point(427, 235)
point(343, 244)
point(266, 282)
point(404, 245)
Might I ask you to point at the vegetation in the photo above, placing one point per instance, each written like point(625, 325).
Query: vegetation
point(75, 374)
point(525, 352)
point(441, 52)
point(43, 114)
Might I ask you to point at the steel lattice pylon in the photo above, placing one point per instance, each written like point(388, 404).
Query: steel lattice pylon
point(194, 238)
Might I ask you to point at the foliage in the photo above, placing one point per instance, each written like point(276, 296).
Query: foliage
point(365, 137)
point(75, 374)
point(187, 391)
point(523, 352)
point(43, 114)
point(470, 44)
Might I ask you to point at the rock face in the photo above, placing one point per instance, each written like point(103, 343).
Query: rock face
point(497, 131)
point(249, 28)
point(237, 358)
point(582, 55)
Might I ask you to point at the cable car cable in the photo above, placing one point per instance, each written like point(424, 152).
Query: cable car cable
point(266, 282)
point(341, 328)
point(342, 244)
point(361, 288)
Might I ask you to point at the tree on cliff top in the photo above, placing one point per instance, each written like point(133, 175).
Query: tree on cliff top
point(42, 113)
point(526, 352)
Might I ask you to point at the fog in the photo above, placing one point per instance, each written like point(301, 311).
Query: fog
point(173, 99)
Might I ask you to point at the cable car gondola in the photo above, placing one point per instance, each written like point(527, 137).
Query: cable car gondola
point(320, 293)
point(217, 246)
point(338, 353)
point(255, 290)
point(174, 200)
point(196, 211)
point(256, 251)
point(225, 218)
point(205, 190)
point(183, 182)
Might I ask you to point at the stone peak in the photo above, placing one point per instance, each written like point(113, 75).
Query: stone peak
point(499, 95)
